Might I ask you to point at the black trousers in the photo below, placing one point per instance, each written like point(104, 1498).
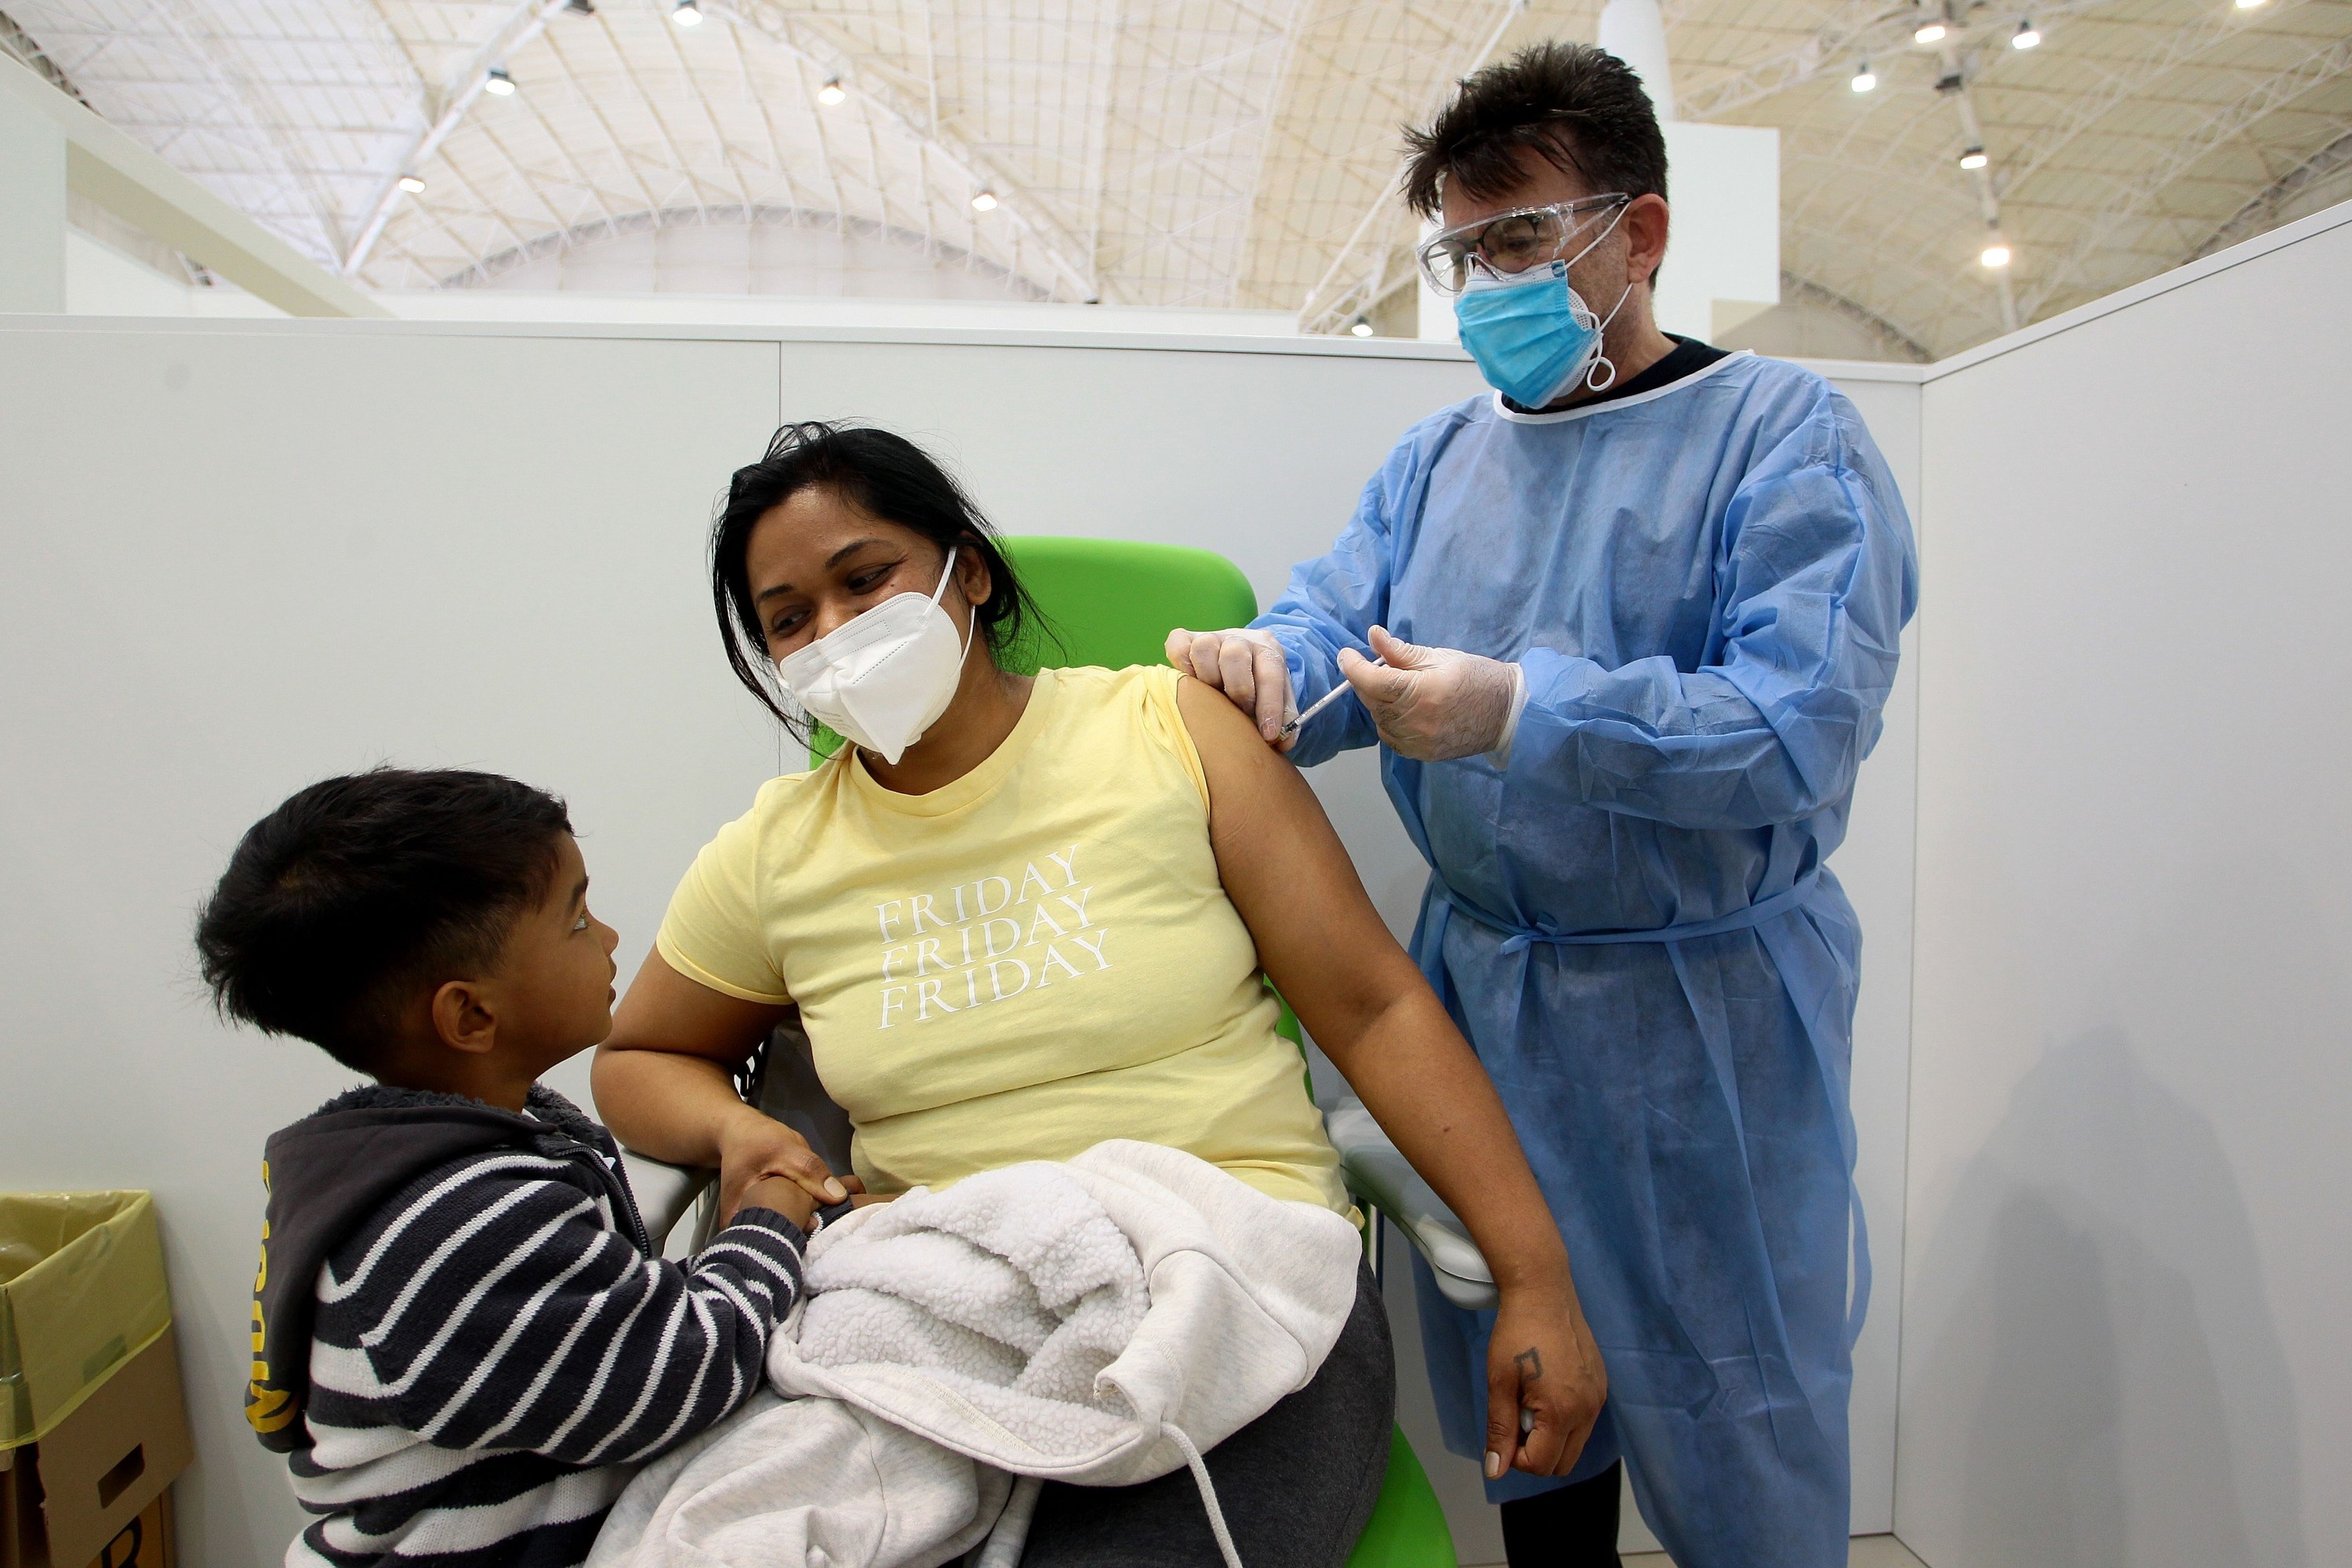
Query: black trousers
point(1568, 1527)
point(1296, 1485)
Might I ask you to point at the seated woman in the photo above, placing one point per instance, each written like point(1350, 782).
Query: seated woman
point(1021, 915)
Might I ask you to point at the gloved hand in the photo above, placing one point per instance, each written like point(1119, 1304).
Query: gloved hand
point(1436, 703)
point(1248, 667)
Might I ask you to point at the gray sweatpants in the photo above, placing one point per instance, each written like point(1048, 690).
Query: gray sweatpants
point(1296, 1485)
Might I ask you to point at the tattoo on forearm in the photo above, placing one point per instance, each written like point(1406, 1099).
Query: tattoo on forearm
point(1530, 1363)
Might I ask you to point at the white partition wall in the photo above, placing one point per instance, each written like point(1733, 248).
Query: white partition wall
point(2129, 1255)
point(1876, 867)
point(243, 556)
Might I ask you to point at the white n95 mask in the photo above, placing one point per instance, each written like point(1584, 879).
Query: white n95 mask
point(884, 679)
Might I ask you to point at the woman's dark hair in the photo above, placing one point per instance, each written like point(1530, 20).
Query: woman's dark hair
point(886, 475)
point(1583, 108)
point(358, 891)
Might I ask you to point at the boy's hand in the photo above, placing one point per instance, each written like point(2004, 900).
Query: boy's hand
point(754, 1146)
point(781, 1194)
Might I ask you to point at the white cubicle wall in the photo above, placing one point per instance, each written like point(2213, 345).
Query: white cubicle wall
point(2130, 1247)
point(243, 556)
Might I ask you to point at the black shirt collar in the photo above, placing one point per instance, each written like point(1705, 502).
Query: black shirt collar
point(1687, 357)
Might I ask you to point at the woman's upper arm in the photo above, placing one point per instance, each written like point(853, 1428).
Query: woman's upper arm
point(1318, 935)
point(711, 986)
point(667, 1011)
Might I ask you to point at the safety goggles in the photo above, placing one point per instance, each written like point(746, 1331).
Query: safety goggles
point(1510, 242)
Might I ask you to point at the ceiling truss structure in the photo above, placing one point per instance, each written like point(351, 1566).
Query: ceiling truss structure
point(1219, 153)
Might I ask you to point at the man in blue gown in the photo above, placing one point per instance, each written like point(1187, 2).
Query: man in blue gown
point(1639, 612)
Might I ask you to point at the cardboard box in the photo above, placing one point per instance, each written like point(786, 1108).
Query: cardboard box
point(75, 1495)
point(92, 1426)
point(145, 1541)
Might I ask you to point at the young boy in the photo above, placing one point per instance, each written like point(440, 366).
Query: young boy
point(464, 1339)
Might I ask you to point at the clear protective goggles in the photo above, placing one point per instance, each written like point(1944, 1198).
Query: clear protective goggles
point(1510, 242)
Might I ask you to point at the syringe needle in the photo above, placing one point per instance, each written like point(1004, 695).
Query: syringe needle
point(1321, 702)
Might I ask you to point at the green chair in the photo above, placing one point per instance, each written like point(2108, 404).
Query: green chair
point(1113, 603)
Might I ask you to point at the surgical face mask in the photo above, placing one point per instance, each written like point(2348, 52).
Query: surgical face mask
point(1533, 336)
point(886, 676)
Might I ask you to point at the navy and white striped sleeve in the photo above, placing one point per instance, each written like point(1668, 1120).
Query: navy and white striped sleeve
point(503, 1309)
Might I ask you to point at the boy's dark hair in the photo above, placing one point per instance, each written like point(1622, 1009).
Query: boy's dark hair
point(888, 476)
point(1582, 108)
point(360, 888)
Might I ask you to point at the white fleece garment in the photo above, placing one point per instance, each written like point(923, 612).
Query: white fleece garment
point(1102, 1321)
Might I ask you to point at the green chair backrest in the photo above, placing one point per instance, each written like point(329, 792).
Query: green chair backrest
point(1111, 602)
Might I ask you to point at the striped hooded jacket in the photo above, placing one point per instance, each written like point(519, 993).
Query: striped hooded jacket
point(464, 1339)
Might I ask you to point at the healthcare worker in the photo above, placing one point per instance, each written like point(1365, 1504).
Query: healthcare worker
point(1638, 613)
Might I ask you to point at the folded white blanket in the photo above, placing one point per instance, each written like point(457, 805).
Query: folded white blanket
point(1101, 1321)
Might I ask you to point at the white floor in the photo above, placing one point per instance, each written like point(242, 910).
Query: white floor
point(1869, 1552)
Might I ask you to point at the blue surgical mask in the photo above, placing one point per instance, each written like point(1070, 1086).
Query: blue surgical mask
point(1533, 336)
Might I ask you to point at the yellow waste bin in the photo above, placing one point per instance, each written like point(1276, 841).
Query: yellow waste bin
point(92, 1426)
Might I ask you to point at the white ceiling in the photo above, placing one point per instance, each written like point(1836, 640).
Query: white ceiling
point(1220, 153)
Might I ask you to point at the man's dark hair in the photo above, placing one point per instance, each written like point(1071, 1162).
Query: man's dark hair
point(357, 890)
point(1583, 108)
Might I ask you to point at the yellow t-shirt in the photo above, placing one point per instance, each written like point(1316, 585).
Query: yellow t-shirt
point(1017, 966)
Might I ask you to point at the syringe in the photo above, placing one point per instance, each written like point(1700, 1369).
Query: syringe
point(1321, 702)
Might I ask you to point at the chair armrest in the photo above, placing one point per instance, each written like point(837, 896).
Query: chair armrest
point(1379, 1175)
point(664, 1193)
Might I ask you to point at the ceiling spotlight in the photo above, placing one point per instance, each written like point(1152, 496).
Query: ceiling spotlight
point(1995, 255)
point(687, 15)
point(1974, 158)
point(2249, 4)
point(579, 8)
point(1863, 79)
point(832, 92)
point(413, 183)
point(498, 84)
point(2027, 37)
point(984, 202)
point(1361, 328)
point(1930, 33)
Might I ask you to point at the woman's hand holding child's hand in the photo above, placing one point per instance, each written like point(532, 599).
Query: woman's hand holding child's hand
point(781, 1194)
point(754, 1148)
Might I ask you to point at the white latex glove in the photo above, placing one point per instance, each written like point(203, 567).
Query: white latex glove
point(1434, 704)
point(1249, 668)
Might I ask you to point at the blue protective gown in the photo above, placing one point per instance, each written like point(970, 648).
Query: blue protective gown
point(1631, 920)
